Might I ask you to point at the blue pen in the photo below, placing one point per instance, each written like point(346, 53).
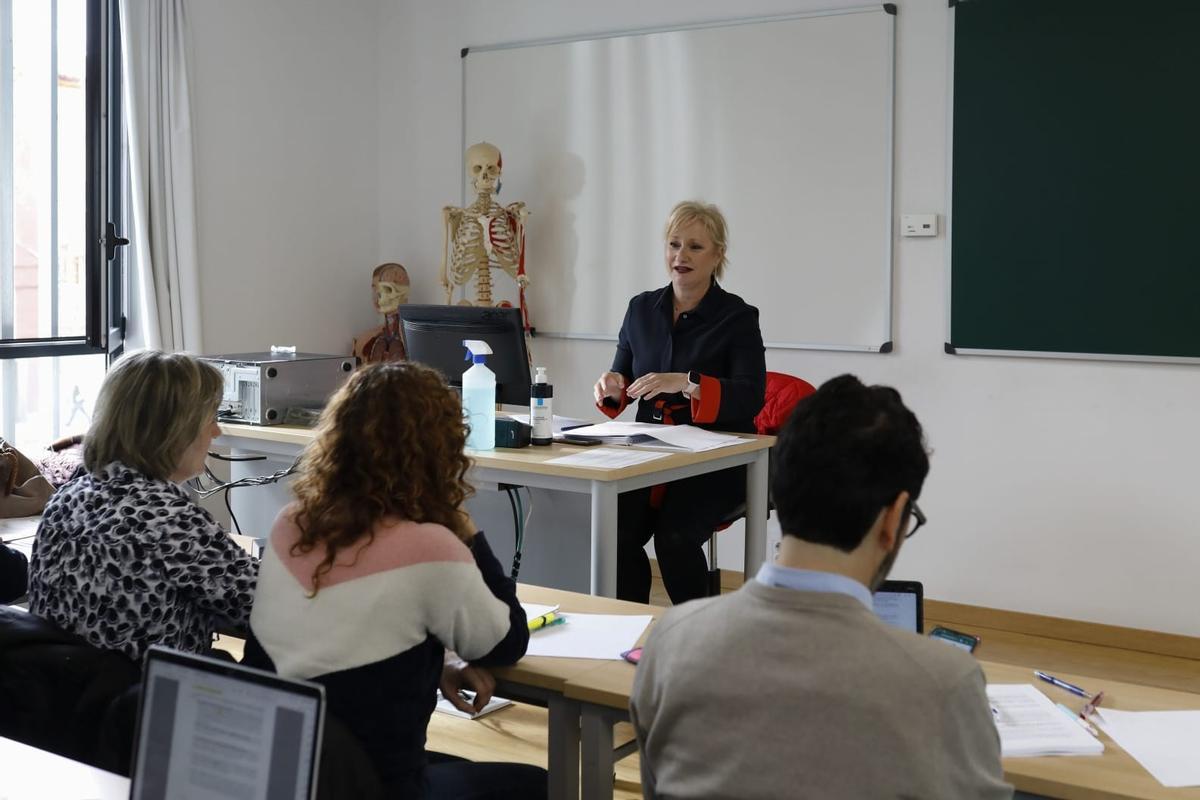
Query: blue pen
point(1070, 687)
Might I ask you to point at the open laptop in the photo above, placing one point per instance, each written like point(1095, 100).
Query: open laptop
point(902, 603)
point(211, 730)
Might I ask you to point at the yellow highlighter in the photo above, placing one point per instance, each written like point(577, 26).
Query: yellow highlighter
point(545, 621)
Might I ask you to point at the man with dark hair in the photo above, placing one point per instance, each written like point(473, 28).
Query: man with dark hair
point(792, 687)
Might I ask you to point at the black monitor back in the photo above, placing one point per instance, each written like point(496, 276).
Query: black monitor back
point(433, 335)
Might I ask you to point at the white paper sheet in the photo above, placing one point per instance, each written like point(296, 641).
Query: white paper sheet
point(1031, 725)
point(607, 457)
point(1166, 743)
point(602, 636)
point(446, 707)
point(687, 438)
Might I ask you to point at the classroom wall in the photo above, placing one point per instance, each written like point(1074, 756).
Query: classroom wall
point(1058, 487)
point(286, 127)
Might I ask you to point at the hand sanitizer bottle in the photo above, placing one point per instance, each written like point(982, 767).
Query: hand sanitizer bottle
point(479, 397)
point(541, 415)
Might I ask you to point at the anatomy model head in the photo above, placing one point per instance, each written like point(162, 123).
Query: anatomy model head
point(484, 166)
point(389, 287)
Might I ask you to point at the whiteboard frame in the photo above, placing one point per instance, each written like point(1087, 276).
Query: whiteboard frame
point(889, 9)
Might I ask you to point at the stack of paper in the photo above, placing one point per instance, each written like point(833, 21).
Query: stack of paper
point(681, 438)
point(1031, 725)
point(1166, 743)
point(607, 458)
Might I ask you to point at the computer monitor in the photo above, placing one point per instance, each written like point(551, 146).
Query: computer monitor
point(433, 335)
point(209, 728)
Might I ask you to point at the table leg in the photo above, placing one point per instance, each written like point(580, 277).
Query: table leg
point(756, 513)
point(604, 539)
point(596, 745)
point(563, 748)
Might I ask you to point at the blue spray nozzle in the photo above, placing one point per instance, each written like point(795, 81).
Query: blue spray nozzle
point(476, 350)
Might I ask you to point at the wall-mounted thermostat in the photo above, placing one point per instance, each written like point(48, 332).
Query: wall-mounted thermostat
point(918, 225)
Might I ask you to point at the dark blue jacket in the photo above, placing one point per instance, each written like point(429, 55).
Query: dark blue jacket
point(720, 339)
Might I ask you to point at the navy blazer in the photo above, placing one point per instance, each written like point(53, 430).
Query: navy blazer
point(720, 339)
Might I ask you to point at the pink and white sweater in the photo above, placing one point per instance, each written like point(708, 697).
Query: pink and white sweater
point(375, 632)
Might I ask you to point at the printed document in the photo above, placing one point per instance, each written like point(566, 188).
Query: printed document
point(678, 438)
point(1166, 743)
point(1031, 725)
point(607, 458)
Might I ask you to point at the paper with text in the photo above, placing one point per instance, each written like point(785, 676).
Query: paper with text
point(684, 438)
point(607, 458)
point(1030, 725)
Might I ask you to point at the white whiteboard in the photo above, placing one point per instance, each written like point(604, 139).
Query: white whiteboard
point(785, 123)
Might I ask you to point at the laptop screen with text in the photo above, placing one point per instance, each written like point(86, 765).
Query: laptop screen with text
point(211, 729)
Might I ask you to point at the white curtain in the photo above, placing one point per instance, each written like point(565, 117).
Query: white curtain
point(159, 120)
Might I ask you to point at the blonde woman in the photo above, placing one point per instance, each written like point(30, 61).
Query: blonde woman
point(375, 571)
point(690, 353)
point(123, 556)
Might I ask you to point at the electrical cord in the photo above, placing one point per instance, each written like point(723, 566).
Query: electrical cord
point(513, 499)
point(203, 491)
point(521, 515)
point(229, 506)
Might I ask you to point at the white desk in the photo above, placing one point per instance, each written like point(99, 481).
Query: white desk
point(527, 467)
point(27, 773)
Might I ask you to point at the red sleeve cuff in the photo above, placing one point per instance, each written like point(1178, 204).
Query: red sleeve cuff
point(705, 409)
point(613, 413)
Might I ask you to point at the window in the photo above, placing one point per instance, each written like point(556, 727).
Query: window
point(62, 180)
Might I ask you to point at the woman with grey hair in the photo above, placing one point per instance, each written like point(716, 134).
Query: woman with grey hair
point(123, 556)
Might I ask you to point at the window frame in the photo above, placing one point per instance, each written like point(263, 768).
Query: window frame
point(105, 258)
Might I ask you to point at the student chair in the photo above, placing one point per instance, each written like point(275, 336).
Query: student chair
point(782, 394)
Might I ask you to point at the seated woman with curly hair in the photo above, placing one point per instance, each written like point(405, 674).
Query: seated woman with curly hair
point(375, 570)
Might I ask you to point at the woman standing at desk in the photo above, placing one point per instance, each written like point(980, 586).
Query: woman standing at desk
point(689, 353)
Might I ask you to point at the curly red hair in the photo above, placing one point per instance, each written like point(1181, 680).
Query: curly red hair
point(389, 444)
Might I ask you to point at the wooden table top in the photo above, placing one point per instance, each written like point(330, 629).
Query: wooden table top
point(525, 459)
point(1115, 775)
point(556, 673)
point(1110, 776)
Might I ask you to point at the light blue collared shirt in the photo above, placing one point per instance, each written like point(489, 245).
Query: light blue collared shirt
point(810, 580)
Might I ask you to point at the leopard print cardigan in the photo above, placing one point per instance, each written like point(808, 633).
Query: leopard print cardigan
point(127, 561)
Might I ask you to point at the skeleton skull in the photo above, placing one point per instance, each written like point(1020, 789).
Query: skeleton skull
point(389, 287)
point(483, 166)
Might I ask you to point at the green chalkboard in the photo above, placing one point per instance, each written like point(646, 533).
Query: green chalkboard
point(1075, 206)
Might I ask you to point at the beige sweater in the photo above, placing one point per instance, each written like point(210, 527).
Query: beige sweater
point(776, 693)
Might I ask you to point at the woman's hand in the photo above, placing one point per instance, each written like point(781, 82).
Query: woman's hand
point(611, 384)
point(653, 384)
point(458, 675)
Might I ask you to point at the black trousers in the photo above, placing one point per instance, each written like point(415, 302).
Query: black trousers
point(691, 509)
point(450, 777)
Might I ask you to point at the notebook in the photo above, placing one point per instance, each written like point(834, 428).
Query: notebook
point(210, 729)
point(446, 707)
point(902, 603)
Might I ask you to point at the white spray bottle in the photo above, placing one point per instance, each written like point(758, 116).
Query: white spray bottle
point(479, 397)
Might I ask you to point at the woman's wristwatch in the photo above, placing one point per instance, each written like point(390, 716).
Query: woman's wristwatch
point(693, 383)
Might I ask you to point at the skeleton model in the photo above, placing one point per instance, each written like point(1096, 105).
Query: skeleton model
point(484, 235)
point(389, 290)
